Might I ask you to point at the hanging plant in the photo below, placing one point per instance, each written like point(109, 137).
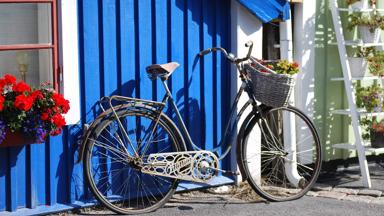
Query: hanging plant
point(376, 63)
point(370, 97)
point(34, 113)
point(372, 21)
point(373, 131)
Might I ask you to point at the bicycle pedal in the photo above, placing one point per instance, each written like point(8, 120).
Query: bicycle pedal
point(231, 173)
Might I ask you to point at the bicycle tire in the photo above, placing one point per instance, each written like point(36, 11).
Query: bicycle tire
point(127, 200)
point(271, 168)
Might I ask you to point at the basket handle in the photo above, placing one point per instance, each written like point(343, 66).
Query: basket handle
point(257, 62)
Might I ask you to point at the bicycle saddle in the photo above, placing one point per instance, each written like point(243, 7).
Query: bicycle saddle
point(161, 70)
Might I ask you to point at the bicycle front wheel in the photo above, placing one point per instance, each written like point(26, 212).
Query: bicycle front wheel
point(114, 178)
point(281, 154)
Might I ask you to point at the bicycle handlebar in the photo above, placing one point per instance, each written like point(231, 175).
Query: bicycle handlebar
point(231, 57)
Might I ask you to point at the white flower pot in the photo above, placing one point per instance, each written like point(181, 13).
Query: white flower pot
point(359, 5)
point(358, 66)
point(368, 36)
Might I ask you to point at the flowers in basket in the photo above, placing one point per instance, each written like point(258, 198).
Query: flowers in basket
point(281, 67)
point(35, 113)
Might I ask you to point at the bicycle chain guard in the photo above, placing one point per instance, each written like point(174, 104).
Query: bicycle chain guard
point(196, 166)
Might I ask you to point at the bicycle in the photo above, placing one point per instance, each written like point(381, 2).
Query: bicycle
point(134, 155)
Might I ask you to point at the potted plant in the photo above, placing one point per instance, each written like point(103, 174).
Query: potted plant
point(376, 63)
point(369, 25)
point(357, 4)
point(29, 115)
point(370, 97)
point(358, 62)
point(374, 131)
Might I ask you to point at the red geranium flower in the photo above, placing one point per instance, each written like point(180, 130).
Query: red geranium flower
point(23, 102)
point(1, 102)
point(56, 132)
point(21, 87)
point(9, 79)
point(58, 120)
point(61, 102)
point(44, 116)
point(37, 95)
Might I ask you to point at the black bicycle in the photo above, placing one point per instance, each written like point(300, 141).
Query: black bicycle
point(134, 155)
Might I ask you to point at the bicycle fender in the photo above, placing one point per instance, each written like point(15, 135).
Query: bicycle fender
point(240, 140)
point(243, 132)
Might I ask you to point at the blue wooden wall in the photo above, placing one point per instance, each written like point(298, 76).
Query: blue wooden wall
point(118, 39)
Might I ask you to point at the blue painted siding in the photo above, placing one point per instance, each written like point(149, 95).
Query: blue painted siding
point(118, 39)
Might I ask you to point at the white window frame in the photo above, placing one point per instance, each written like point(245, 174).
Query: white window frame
point(69, 57)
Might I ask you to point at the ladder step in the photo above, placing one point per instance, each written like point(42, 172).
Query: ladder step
point(367, 148)
point(358, 43)
point(358, 78)
point(361, 112)
point(344, 146)
point(359, 10)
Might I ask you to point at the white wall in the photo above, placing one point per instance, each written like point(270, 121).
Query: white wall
point(245, 27)
point(304, 54)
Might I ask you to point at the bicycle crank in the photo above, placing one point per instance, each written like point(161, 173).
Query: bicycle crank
point(196, 166)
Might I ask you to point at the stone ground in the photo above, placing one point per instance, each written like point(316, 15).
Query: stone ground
point(343, 185)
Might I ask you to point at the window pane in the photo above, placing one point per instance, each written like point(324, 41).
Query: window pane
point(35, 64)
point(25, 23)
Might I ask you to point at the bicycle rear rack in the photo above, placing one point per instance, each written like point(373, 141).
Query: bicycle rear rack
point(116, 101)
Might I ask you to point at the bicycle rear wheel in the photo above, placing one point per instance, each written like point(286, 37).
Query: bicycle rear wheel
point(116, 181)
point(281, 154)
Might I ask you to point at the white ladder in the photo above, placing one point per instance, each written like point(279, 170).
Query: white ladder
point(347, 78)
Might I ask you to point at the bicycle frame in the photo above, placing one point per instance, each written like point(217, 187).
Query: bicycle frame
point(159, 106)
point(246, 86)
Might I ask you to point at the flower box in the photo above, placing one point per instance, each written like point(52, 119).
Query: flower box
point(377, 139)
point(30, 113)
point(359, 5)
point(368, 36)
point(13, 139)
point(358, 67)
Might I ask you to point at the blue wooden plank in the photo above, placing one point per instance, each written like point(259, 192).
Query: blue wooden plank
point(145, 46)
point(91, 57)
point(177, 52)
point(217, 77)
point(17, 178)
point(109, 47)
point(3, 174)
point(57, 169)
point(75, 171)
point(127, 48)
point(161, 34)
point(193, 85)
point(207, 85)
point(222, 72)
point(38, 175)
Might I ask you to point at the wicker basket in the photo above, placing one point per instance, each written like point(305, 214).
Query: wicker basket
point(270, 88)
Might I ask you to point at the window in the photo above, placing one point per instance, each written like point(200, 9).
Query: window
point(29, 40)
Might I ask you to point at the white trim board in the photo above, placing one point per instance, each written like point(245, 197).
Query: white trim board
point(69, 54)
